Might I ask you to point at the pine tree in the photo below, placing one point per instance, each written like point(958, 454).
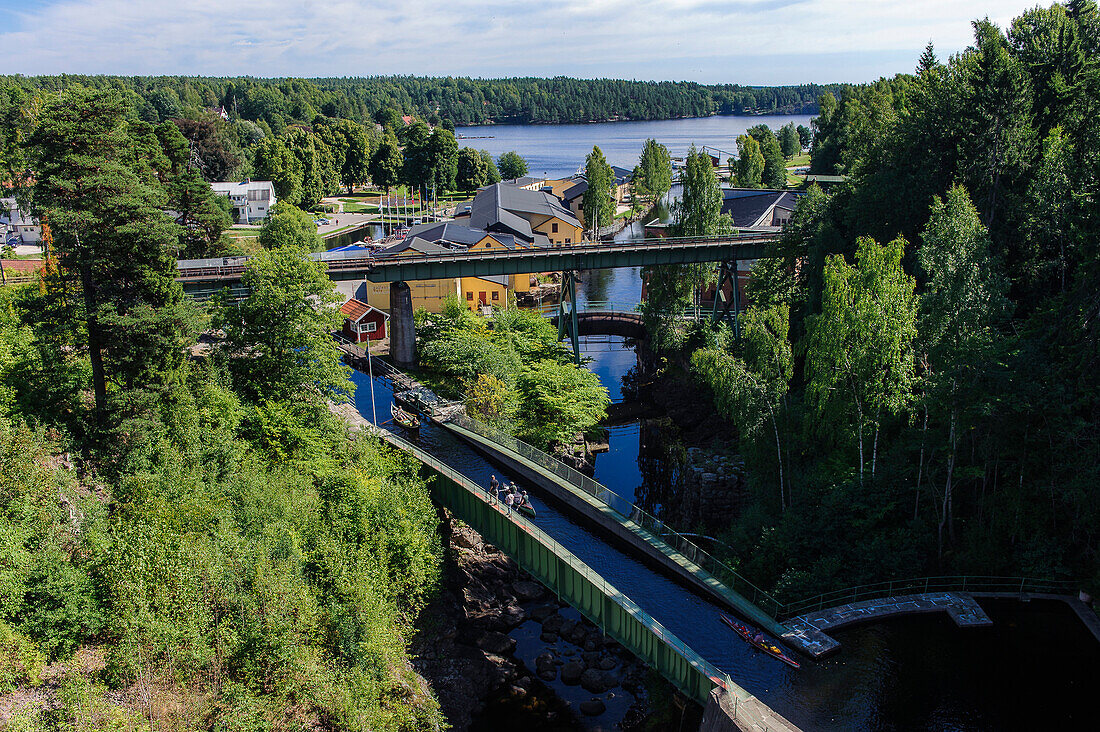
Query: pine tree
point(110, 231)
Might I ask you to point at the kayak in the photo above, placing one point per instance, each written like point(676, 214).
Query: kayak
point(527, 508)
point(766, 646)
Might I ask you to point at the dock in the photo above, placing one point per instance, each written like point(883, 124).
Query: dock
point(809, 632)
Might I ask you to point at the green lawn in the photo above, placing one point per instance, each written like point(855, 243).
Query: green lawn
point(797, 160)
point(351, 207)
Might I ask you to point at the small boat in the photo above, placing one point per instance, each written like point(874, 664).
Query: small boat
point(405, 419)
point(766, 646)
point(526, 507)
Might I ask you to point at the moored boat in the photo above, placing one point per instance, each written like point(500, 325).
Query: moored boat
point(404, 419)
point(765, 645)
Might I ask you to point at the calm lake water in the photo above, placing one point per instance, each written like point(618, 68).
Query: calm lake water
point(559, 150)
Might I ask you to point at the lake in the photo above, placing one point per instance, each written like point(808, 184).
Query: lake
point(557, 151)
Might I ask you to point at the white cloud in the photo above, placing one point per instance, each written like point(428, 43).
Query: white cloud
point(634, 38)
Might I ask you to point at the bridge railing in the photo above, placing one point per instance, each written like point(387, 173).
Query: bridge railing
point(627, 510)
point(697, 662)
point(919, 585)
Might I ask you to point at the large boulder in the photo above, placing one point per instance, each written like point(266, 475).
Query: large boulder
point(593, 707)
point(543, 611)
point(598, 681)
point(553, 624)
point(572, 672)
point(545, 667)
point(496, 643)
point(526, 590)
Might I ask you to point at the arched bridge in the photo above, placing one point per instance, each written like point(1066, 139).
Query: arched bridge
point(605, 317)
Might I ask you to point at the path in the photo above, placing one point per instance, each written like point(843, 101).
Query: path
point(808, 631)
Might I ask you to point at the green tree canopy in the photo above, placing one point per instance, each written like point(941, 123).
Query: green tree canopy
point(559, 400)
point(492, 175)
point(789, 142)
point(774, 174)
point(653, 176)
point(386, 163)
point(750, 162)
point(289, 226)
point(511, 165)
point(597, 203)
point(278, 338)
point(110, 231)
point(472, 171)
point(860, 359)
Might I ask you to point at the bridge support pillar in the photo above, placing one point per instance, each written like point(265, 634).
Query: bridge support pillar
point(728, 272)
point(567, 312)
point(402, 328)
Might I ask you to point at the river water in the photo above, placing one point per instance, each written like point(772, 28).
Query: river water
point(557, 151)
point(1035, 668)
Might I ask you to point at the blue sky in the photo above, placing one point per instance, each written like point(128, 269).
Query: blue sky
point(737, 41)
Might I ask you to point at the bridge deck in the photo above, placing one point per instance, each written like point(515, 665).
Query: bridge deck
point(199, 275)
point(628, 530)
point(808, 631)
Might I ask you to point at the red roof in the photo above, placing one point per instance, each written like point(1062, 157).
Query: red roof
point(356, 310)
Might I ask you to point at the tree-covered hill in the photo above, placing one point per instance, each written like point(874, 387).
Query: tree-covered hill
point(462, 100)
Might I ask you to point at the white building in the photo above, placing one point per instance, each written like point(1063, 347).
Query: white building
point(252, 199)
point(14, 224)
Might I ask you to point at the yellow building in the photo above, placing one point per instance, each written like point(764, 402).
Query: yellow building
point(446, 237)
point(489, 290)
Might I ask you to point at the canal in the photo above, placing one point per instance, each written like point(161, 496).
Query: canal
point(910, 673)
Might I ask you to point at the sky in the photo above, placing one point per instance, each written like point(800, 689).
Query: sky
point(710, 41)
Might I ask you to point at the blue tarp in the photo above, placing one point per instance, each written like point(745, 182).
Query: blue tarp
point(351, 248)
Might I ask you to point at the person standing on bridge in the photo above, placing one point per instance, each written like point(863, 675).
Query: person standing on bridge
point(508, 501)
point(494, 487)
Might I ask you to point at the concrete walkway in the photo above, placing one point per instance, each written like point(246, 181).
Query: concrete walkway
point(808, 632)
point(622, 527)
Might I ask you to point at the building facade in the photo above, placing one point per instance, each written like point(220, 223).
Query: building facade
point(252, 200)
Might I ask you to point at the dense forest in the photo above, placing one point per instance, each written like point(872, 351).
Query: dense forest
point(189, 525)
point(463, 101)
point(916, 380)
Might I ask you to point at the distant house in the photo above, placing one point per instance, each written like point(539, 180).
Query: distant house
point(573, 195)
point(16, 226)
point(363, 322)
point(536, 216)
point(219, 111)
point(763, 209)
point(623, 178)
point(252, 199)
point(573, 198)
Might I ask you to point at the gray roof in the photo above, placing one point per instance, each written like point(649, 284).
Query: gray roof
point(447, 231)
point(449, 235)
point(416, 244)
point(492, 204)
point(748, 206)
point(622, 175)
point(524, 181)
point(575, 190)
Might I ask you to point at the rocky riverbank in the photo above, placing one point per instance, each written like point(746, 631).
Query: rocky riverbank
point(564, 675)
